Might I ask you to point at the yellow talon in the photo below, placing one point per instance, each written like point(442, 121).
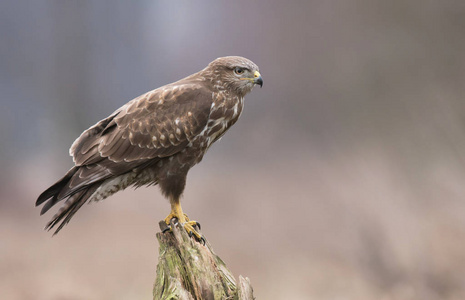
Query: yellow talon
point(173, 215)
point(189, 227)
point(183, 219)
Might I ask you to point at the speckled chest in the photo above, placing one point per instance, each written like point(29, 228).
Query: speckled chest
point(225, 111)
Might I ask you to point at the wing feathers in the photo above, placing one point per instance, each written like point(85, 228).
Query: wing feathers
point(157, 124)
point(54, 189)
point(87, 138)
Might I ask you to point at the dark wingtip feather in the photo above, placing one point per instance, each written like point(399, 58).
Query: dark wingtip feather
point(50, 192)
point(54, 190)
point(49, 204)
point(71, 206)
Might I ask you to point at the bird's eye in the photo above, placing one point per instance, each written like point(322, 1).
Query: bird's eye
point(239, 71)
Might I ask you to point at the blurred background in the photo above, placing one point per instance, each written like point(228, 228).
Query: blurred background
point(343, 179)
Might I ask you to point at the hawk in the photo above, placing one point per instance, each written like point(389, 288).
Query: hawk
point(154, 139)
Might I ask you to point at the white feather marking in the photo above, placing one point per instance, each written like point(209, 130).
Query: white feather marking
point(111, 186)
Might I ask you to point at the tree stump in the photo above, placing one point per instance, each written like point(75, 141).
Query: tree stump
point(188, 269)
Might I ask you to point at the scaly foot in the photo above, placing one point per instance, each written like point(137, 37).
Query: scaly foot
point(188, 225)
point(174, 215)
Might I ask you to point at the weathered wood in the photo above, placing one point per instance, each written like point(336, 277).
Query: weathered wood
point(188, 269)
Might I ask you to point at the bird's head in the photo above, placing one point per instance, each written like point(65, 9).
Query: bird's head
point(235, 73)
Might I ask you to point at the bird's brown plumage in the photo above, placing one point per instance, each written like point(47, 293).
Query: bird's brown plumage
point(155, 138)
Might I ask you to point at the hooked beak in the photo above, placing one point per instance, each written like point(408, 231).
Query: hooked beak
point(257, 79)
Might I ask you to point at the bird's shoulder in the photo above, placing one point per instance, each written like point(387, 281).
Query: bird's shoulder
point(176, 102)
point(178, 92)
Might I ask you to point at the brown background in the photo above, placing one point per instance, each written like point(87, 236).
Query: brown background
point(343, 179)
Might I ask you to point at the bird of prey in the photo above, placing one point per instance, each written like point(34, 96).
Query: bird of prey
point(154, 139)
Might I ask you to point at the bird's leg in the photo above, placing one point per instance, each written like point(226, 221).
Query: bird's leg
point(176, 212)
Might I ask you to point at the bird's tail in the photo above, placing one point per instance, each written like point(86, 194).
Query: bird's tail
point(71, 206)
point(75, 198)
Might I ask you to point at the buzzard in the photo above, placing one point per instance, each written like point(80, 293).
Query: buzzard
point(154, 139)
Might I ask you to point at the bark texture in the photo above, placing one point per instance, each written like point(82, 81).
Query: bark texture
point(188, 269)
